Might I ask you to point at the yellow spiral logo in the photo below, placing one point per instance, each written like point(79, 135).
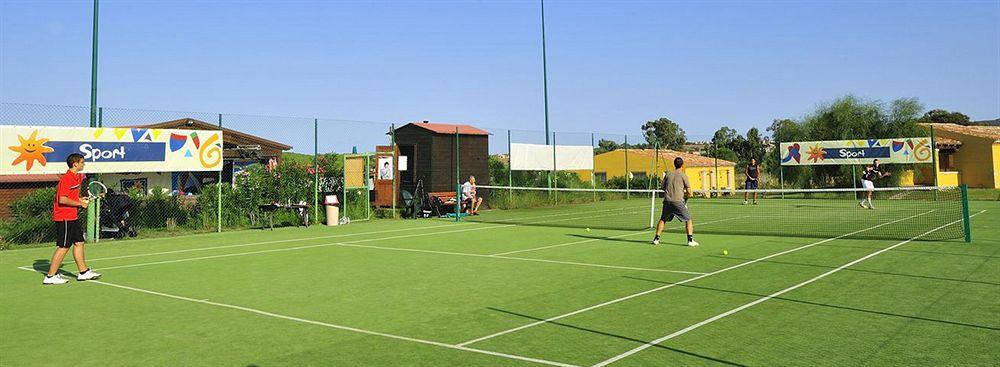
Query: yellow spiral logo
point(922, 151)
point(210, 154)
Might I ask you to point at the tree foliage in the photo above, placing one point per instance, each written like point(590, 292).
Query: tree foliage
point(665, 133)
point(945, 117)
point(845, 118)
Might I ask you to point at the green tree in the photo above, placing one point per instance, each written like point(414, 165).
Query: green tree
point(664, 132)
point(945, 117)
point(604, 146)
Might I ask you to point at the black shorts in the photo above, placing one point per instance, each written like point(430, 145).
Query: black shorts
point(69, 232)
point(672, 209)
point(750, 185)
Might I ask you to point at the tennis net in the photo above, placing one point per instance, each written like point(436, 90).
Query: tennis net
point(899, 213)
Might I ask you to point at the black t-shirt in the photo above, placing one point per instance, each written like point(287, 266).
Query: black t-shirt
point(872, 173)
point(753, 171)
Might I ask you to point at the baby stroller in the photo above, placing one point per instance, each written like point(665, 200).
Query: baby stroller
point(116, 220)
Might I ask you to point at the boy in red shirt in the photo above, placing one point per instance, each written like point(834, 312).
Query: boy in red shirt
point(64, 214)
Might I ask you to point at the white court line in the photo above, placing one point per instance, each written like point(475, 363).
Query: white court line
point(763, 299)
point(617, 300)
point(323, 237)
point(352, 244)
point(603, 238)
point(329, 325)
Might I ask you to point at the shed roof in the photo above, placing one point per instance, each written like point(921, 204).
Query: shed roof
point(443, 128)
point(229, 134)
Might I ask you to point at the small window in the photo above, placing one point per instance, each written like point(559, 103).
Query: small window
point(601, 176)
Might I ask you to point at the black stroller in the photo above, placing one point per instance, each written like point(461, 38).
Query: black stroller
point(116, 221)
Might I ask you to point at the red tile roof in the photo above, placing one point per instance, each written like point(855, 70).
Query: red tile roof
point(691, 160)
point(441, 128)
point(989, 132)
point(29, 178)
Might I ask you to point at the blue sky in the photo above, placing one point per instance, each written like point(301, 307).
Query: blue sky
point(612, 64)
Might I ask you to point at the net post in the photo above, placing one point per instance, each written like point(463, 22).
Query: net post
point(315, 169)
point(344, 200)
point(966, 219)
point(369, 183)
point(627, 178)
point(652, 208)
point(458, 182)
point(218, 214)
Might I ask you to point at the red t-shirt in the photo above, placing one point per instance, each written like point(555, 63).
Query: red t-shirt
point(69, 186)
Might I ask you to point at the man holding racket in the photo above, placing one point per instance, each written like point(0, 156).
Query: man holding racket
point(872, 173)
point(64, 214)
point(676, 191)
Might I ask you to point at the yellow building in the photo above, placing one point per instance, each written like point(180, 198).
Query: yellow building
point(643, 163)
point(967, 155)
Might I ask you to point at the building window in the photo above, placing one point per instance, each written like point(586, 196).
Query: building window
point(601, 176)
point(944, 161)
point(639, 175)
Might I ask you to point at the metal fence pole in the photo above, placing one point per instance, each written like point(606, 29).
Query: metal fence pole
point(593, 167)
point(628, 177)
point(510, 172)
point(395, 167)
point(458, 182)
point(555, 170)
point(218, 188)
point(315, 169)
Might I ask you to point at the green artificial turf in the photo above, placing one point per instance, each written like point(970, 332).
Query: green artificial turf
point(409, 292)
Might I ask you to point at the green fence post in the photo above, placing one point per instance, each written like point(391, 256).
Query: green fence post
point(395, 162)
point(458, 182)
point(555, 171)
point(627, 178)
point(593, 168)
point(315, 169)
point(218, 187)
point(966, 219)
point(510, 173)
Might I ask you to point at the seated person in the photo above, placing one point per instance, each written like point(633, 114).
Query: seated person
point(470, 200)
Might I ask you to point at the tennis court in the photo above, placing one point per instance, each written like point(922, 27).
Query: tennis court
point(575, 284)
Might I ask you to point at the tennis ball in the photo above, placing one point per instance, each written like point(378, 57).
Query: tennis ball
point(725, 252)
point(588, 229)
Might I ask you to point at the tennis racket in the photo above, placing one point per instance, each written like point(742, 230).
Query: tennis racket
point(96, 189)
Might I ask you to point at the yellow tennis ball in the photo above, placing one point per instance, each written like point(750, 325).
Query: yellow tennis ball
point(588, 229)
point(725, 252)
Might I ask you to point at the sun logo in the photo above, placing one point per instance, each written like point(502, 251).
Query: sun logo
point(31, 150)
point(816, 153)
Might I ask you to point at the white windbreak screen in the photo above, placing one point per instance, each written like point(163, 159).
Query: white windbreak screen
point(532, 157)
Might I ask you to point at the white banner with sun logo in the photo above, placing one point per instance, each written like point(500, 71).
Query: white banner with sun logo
point(887, 151)
point(43, 149)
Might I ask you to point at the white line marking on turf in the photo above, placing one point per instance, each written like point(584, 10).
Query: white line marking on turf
point(329, 236)
point(604, 238)
point(329, 325)
point(765, 298)
point(617, 300)
point(354, 244)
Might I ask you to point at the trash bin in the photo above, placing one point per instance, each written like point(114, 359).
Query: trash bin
point(332, 210)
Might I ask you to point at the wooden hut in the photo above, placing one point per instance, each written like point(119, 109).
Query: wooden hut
point(429, 149)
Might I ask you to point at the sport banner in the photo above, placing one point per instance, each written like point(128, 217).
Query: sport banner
point(901, 150)
point(538, 157)
point(43, 149)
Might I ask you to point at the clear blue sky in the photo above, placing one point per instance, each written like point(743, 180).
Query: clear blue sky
point(612, 64)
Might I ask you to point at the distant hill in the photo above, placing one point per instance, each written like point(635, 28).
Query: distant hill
point(994, 122)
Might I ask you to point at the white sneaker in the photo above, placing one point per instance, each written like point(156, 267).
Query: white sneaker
point(54, 280)
point(744, 202)
point(656, 241)
point(693, 243)
point(862, 204)
point(89, 275)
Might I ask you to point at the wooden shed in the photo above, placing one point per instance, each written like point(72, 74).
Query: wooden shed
point(429, 149)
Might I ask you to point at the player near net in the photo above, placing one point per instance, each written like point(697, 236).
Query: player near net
point(872, 173)
point(753, 177)
point(69, 232)
point(676, 191)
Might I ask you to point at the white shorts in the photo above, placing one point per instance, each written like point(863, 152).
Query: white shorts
point(868, 185)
